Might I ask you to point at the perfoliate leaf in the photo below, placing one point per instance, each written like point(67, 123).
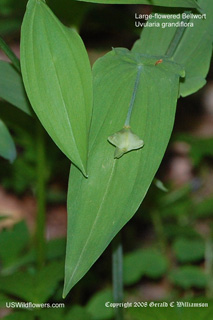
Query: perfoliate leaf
point(58, 80)
point(164, 3)
point(194, 50)
point(7, 146)
point(98, 207)
point(12, 88)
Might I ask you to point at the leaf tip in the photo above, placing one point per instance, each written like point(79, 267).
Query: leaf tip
point(13, 157)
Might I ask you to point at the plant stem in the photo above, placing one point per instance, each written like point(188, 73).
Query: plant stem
point(41, 196)
point(10, 54)
point(117, 274)
point(209, 263)
point(127, 122)
point(158, 226)
point(176, 39)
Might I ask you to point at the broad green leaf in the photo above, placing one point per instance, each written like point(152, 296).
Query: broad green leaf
point(12, 88)
point(98, 207)
point(156, 40)
point(164, 3)
point(58, 80)
point(7, 146)
point(194, 50)
point(188, 276)
point(147, 262)
point(189, 250)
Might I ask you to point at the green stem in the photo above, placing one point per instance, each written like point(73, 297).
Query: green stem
point(209, 263)
point(176, 39)
point(10, 54)
point(41, 196)
point(117, 274)
point(127, 122)
point(159, 230)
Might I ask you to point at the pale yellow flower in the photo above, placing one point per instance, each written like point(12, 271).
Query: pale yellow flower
point(125, 140)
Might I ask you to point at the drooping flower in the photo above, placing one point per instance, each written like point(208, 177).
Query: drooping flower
point(125, 140)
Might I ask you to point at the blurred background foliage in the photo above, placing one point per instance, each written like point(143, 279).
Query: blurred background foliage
point(168, 245)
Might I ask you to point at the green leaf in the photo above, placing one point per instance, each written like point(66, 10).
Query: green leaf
point(12, 88)
point(98, 207)
point(146, 262)
point(10, 54)
point(160, 185)
point(194, 50)
point(164, 3)
point(13, 242)
point(189, 250)
point(188, 276)
point(7, 146)
point(12, 261)
point(33, 287)
point(58, 80)
point(96, 306)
